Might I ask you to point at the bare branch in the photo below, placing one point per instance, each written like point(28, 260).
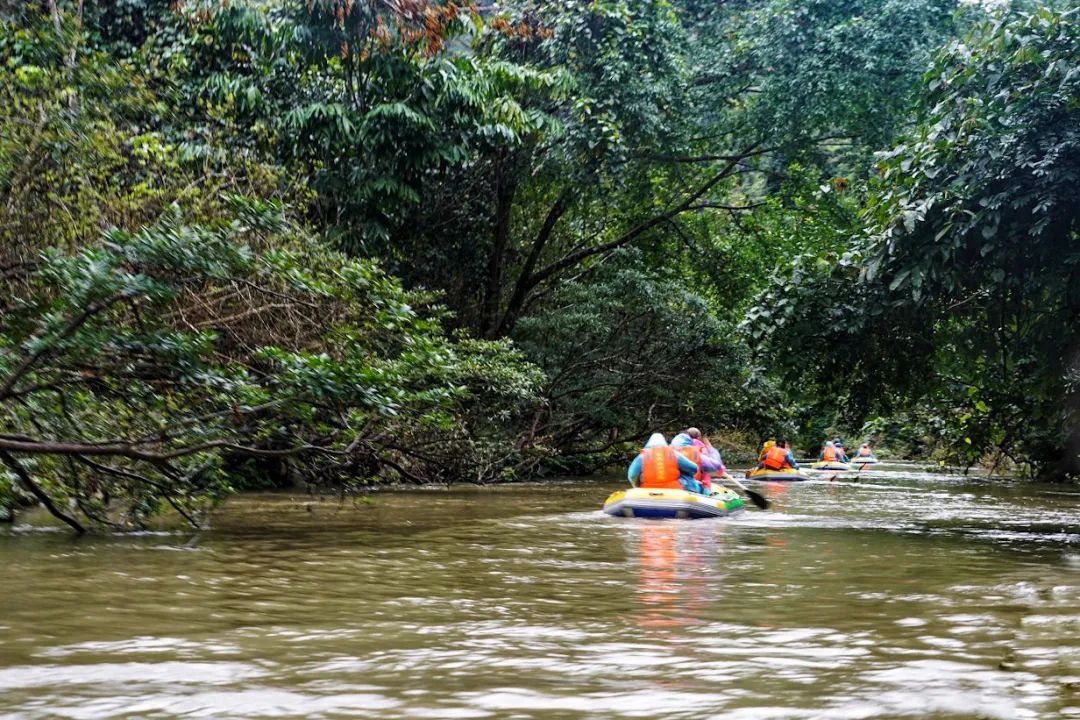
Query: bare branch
point(28, 483)
point(122, 449)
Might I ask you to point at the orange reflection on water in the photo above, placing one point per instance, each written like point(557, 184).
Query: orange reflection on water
point(672, 572)
point(777, 492)
point(658, 587)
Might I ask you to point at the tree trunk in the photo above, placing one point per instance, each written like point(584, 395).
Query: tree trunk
point(505, 190)
point(522, 286)
point(1067, 466)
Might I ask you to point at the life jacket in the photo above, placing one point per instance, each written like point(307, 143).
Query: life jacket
point(864, 451)
point(660, 468)
point(776, 458)
point(829, 454)
point(693, 454)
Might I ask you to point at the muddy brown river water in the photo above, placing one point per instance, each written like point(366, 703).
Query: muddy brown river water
point(905, 594)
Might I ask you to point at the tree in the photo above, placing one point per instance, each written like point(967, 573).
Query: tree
point(495, 156)
point(83, 147)
point(979, 229)
point(631, 351)
point(682, 117)
point(969, 272)
point(134, 366)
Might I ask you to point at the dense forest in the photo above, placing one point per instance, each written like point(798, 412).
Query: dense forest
point(259, 242)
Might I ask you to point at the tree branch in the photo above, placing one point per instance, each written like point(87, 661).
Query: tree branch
point(69, 329)
point(634, 232)
point(120, 449)
point(32, 487)
point(521, 288)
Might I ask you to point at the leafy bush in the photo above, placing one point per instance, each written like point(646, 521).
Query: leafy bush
point(132, 367)
point(963, 297)
point(628, 352)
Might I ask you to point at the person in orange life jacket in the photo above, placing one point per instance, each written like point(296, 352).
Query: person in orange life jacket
point(708, 450)
point(829, 453)
point(840, 449)
point(659, 466)
point(779, 457)
point(706, 462)
point(865, 451)
point(765, 448)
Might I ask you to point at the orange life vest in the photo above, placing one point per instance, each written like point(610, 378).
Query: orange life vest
point(828, 454)
point(693, 454)
point(776, 458)
point(864, 451)
point(660, 468)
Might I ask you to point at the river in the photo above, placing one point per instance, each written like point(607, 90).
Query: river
point(904, 594)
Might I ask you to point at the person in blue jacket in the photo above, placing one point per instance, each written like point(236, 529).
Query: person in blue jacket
point(687, 469)
point(834, 456)
point(790, 455)
point(778, 457)
point(840, 449)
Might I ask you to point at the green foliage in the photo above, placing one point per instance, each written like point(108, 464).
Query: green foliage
point(123, 26)
point(979, 225)
point(629, 352)
point(64, 134)
point(994, 163)
point(637, 214)
point(628, 70)
point(848, 69)
point(367, 100)
point(968, 295)
point(497, 158)
point(83, 147)
point(132, 366)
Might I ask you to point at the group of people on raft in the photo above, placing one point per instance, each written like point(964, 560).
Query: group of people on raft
point(834, 452)
point(777, 455)
point(688, 463)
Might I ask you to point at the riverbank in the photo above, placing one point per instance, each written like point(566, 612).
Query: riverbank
point(317, 504)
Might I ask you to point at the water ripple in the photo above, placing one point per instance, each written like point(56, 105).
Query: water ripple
point(906, 594)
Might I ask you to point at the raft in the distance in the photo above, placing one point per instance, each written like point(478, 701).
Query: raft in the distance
point(787, 474)
point(871, 460)
point(833, 465)
point(656, 503)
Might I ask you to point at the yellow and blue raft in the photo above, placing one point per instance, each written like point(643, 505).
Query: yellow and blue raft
point(657, 503)
point(787, 474)
point(833, 465)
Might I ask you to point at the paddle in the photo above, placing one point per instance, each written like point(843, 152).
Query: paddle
point(755, 497)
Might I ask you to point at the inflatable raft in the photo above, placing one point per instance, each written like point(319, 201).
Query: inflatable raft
point(822, 465)
point(662, 503)
point(790, 474)
point(865, 460)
